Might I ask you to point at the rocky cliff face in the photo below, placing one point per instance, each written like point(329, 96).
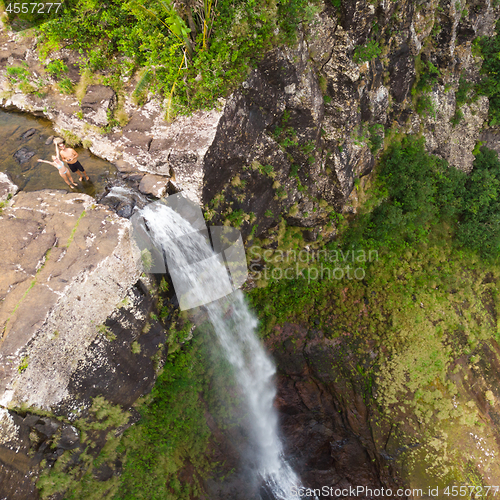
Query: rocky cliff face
point(307, 123)
point(72, 303)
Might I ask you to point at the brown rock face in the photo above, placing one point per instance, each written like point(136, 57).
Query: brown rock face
point(98, 100)
point(71, 305)
point(325, 422)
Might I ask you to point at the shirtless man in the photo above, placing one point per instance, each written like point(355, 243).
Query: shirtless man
point(70, 157)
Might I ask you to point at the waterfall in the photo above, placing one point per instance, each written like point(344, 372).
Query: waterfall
point(187, 250)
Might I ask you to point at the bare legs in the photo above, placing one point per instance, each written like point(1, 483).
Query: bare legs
point(68, 179)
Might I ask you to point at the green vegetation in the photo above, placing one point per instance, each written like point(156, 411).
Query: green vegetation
point(70, 138)
point(106, 332)
point(427, 76)
point(65, 86)
point(172, 431)
point(423, 191)
point(56, 68)
point(423, 313)
point(376, 138)
point(190, 53)
point(23, 365)
point(490, 84)
point(465, 95)
point(367, 52)
point(425, 105)
point(19, 75)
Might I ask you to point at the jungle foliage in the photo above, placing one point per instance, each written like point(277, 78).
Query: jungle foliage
point(418, 190)
point(192, 51)
point(424, 311)
point(490, 84)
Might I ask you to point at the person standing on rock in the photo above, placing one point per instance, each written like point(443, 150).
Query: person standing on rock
point(70, 157)
point(63, 170)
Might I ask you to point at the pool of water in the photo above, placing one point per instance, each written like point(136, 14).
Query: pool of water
point(31, 176)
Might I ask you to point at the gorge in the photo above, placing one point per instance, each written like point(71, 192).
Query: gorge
point(329, 126)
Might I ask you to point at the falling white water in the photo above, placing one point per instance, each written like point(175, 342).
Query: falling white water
point(235, 327)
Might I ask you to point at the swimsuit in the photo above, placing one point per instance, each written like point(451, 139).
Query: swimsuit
point(76, 166)
point(60, 165)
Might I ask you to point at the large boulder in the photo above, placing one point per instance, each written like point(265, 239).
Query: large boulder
point(66, 265)
point(98, 100)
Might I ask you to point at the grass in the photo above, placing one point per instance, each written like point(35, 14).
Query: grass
point(75, 228)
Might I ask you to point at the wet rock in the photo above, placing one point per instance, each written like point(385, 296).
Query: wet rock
point(69, 438)
point(23, 155)
point(47, 427)
point(28, 134)
point(125, 210)
point(155, 185)
point(327, 448)
point(7, 187)
point(98, 100)
point(133, 177)
point(49, 140)
point(124, 166)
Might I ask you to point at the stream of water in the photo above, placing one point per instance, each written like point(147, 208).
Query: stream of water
point(31, 175)
point(235, 326)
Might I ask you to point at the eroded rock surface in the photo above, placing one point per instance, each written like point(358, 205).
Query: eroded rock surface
point(97, 103)
point(7, 187)
point(66, 264)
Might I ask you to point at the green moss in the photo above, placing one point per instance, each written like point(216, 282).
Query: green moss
point(23, 365)
point(106, 332)
point(135, 347)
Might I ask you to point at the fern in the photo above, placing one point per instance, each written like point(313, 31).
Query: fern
point(143, 84)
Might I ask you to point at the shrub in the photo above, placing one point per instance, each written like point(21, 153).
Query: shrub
point(56, 68)
point(420, 190)
point(366, 52)
point(490, 84)
point(479, 226)
point(191, 67)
